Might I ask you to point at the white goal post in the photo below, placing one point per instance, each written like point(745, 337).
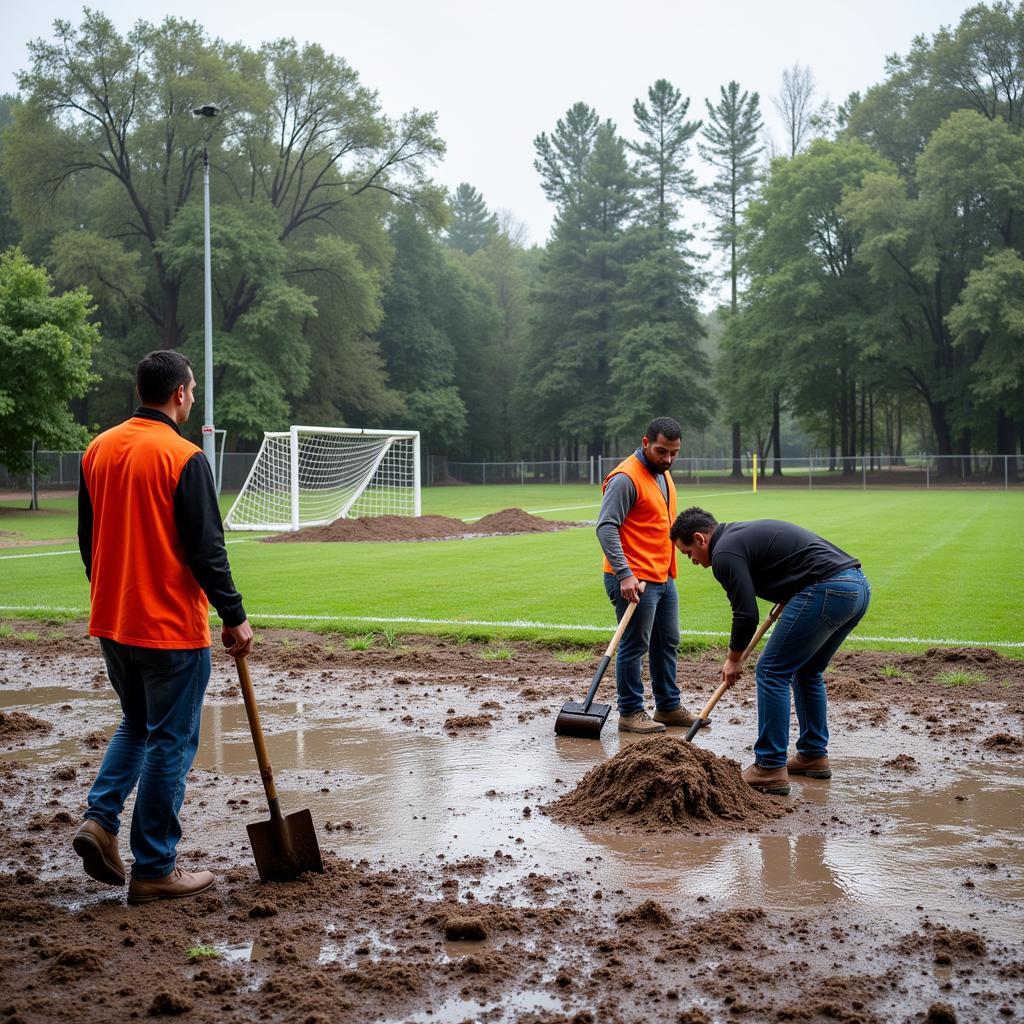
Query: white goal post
point(311, 476)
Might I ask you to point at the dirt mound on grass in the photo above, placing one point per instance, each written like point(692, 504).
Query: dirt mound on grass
point(662, 783)
point(396, 528)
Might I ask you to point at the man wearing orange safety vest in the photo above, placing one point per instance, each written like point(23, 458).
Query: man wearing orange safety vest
point(638, 508)
point(150, 534)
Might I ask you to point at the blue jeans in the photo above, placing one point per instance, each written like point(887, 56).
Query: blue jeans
point(808, 633)
point(161, 702)
point(654, 628)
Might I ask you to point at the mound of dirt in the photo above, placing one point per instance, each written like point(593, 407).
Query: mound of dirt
point(905, 763)
point(1004, 742)
point(16, 725)
point(663, 782)
point(516, 520)
point(395, 528)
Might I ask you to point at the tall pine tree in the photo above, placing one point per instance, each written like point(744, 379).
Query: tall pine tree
point(472, 223)
point(731, 146)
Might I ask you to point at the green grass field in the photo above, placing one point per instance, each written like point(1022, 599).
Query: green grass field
point(945, 566)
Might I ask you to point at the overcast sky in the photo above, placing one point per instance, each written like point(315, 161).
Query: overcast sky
point(498, 74)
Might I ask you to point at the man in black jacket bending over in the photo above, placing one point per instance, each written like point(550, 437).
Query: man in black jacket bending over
point(825, 594)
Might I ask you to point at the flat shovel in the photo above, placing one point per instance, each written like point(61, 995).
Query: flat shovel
point(587, 719)
point(285, 846)
point(705, 713)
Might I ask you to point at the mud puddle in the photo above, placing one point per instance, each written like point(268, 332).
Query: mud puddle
point(891, 893)
point(389, 794)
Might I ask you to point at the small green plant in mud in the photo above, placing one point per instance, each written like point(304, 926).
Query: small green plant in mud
point(286, 643)
point(497, 654)
point(893, 672)
point(6, 631)
point(201, 952)
point(360, 643)
point(958, 677)
point(572, 657)
point(390, 637)
point(28, 637)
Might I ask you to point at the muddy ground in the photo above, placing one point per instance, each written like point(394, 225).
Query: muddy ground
point(892, 893)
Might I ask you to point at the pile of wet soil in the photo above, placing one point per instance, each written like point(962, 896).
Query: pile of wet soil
point(16, 725)
point(663, 782)
point(395, 528)
point(1004, 742)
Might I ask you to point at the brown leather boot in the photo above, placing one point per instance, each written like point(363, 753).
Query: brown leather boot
point(640, 722)
point(678, 716)
point(767, 780)
point(175, 886)
point(812, 767)
point(98, 849)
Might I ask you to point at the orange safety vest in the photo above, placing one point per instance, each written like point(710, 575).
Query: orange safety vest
point(142, 591)
point(644, 533)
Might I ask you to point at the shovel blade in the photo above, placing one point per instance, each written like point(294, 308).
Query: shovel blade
point(572, 720)
point(287, 848)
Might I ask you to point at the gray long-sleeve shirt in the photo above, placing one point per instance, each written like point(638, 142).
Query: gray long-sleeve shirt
point(619, 498)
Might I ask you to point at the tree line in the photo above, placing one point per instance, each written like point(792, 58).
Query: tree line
point(872, 262)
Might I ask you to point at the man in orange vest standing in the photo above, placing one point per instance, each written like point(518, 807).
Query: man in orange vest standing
point(151, 538)
point(638, 508)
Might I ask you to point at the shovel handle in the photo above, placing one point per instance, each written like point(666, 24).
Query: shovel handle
point(717, 695)
point(262, 757)
point(609, 651)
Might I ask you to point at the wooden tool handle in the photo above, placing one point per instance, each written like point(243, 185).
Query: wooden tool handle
point(609, 651)
point(761, 630)
point(253, 714)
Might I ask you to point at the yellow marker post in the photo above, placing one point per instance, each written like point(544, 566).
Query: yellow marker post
point(753, 459)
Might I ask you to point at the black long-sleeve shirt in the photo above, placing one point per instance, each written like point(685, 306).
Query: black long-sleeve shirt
point(197, 516)
point(770, 559)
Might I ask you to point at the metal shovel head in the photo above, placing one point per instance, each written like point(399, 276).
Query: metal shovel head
point(286, 848)
point(572, 720)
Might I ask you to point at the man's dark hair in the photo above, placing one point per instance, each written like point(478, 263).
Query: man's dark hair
point(159, 375)
point(666, 426)
point(690, 521)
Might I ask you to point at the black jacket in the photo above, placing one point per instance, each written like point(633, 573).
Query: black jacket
point(770, 559)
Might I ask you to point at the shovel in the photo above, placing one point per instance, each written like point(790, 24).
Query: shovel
point(285, 846)
point(587, 719)
point(705, 713)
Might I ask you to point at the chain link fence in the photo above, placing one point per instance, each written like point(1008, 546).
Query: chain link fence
point(58, 471)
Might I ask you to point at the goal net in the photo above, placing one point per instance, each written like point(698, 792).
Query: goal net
point(310, 476)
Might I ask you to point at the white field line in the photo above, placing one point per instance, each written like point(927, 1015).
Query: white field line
point(74, 551)
point(529, 624)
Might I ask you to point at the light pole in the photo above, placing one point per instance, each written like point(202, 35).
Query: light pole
point(208, 110)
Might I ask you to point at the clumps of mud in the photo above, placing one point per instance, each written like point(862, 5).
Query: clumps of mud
point(904, 763)
point(16, 725)
point(1004, 743)
point(397, 528)
point(458, 722)
point(664, 783)
point(650, 912)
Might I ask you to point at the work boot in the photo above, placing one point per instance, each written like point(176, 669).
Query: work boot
point(767, 780)
point(98, 849)
point(175, 886)
point(639, 721)
point(677, 716)
point(812, 767)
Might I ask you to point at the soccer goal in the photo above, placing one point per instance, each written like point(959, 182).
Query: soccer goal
point(310, 476)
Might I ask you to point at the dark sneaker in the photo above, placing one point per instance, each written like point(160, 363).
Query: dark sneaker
point(98, 849)
point(812, 767)
point(177, 885)
point(679, 716)
point(639, 721)
point(767, 780)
